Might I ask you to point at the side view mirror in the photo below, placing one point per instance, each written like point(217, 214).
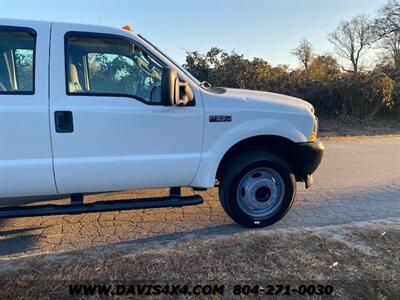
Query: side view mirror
point(173, 91)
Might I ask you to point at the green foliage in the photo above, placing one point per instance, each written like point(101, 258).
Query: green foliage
point(24, 63)
point(324, 68)
point(113, 73)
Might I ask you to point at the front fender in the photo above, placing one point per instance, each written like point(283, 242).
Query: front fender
point(216, 145)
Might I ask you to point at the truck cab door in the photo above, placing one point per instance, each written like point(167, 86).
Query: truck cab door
point(109, 129)
point(25, 149)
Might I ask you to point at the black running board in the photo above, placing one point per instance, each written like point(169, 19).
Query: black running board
point(99, 206)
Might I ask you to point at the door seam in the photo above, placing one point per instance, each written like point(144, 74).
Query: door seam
point(49, 110)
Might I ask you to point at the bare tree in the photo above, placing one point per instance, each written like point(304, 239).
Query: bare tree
point(391, 44)
point(304, 53)
point(352, 38)
point(387, 29)
point(388, 20)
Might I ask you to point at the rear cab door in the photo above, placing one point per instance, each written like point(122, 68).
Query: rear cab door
point(25, 148)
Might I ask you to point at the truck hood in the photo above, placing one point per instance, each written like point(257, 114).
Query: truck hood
point(272, 98)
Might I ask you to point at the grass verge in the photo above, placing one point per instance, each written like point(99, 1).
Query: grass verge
point(359, 260)
point(347, 126)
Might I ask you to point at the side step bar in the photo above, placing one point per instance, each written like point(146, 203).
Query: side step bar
point(78, 207)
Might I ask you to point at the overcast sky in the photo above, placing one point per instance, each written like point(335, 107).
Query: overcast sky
point(263, 28)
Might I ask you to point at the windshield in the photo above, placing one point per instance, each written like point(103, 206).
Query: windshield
point(171, 60)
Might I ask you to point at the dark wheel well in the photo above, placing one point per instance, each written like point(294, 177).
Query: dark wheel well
point(277, 145)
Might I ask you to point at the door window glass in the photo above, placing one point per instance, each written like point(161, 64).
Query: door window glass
point(111, 66)
point(17, 53)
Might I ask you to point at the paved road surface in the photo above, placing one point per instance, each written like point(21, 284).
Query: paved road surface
point(358, 180)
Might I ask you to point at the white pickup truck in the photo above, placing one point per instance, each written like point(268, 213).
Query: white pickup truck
point(91, 109)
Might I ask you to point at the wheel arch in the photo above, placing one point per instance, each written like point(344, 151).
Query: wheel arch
point(275, 144)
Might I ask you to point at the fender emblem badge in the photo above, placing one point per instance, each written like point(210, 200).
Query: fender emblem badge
point(220, 118)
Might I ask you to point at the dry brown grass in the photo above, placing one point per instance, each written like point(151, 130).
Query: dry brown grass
point(347, 126)
point(368, 263)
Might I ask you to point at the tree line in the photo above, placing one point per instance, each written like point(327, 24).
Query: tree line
point(349, 88)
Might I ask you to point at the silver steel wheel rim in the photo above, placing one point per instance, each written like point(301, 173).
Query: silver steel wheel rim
point(260, 192)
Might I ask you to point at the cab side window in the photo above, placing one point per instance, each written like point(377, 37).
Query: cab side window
point(101, 65)
point(17, 55)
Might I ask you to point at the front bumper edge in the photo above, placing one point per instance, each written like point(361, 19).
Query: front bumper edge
point(308, 158)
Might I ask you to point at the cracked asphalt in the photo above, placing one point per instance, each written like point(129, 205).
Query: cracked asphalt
point(358, 180)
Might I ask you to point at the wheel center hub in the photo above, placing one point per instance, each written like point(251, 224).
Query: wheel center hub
point(263, 193)
point(260, 192)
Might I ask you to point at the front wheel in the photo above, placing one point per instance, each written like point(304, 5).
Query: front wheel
point(257, 189)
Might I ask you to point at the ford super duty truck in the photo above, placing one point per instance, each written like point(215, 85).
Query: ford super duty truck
point(91, 109)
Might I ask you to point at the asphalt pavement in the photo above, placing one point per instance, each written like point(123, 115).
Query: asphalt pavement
point(358, 180)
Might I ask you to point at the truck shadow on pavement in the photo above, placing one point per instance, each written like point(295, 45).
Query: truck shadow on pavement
point(17, 241)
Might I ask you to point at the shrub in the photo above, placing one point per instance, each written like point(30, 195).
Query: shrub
point(332, 92)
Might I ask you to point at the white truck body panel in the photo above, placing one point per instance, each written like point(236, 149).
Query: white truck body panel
point(119, 143)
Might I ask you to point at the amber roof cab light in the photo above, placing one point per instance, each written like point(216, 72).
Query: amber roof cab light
point(127, 28)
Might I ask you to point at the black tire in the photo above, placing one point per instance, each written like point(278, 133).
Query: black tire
point(242, 166)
